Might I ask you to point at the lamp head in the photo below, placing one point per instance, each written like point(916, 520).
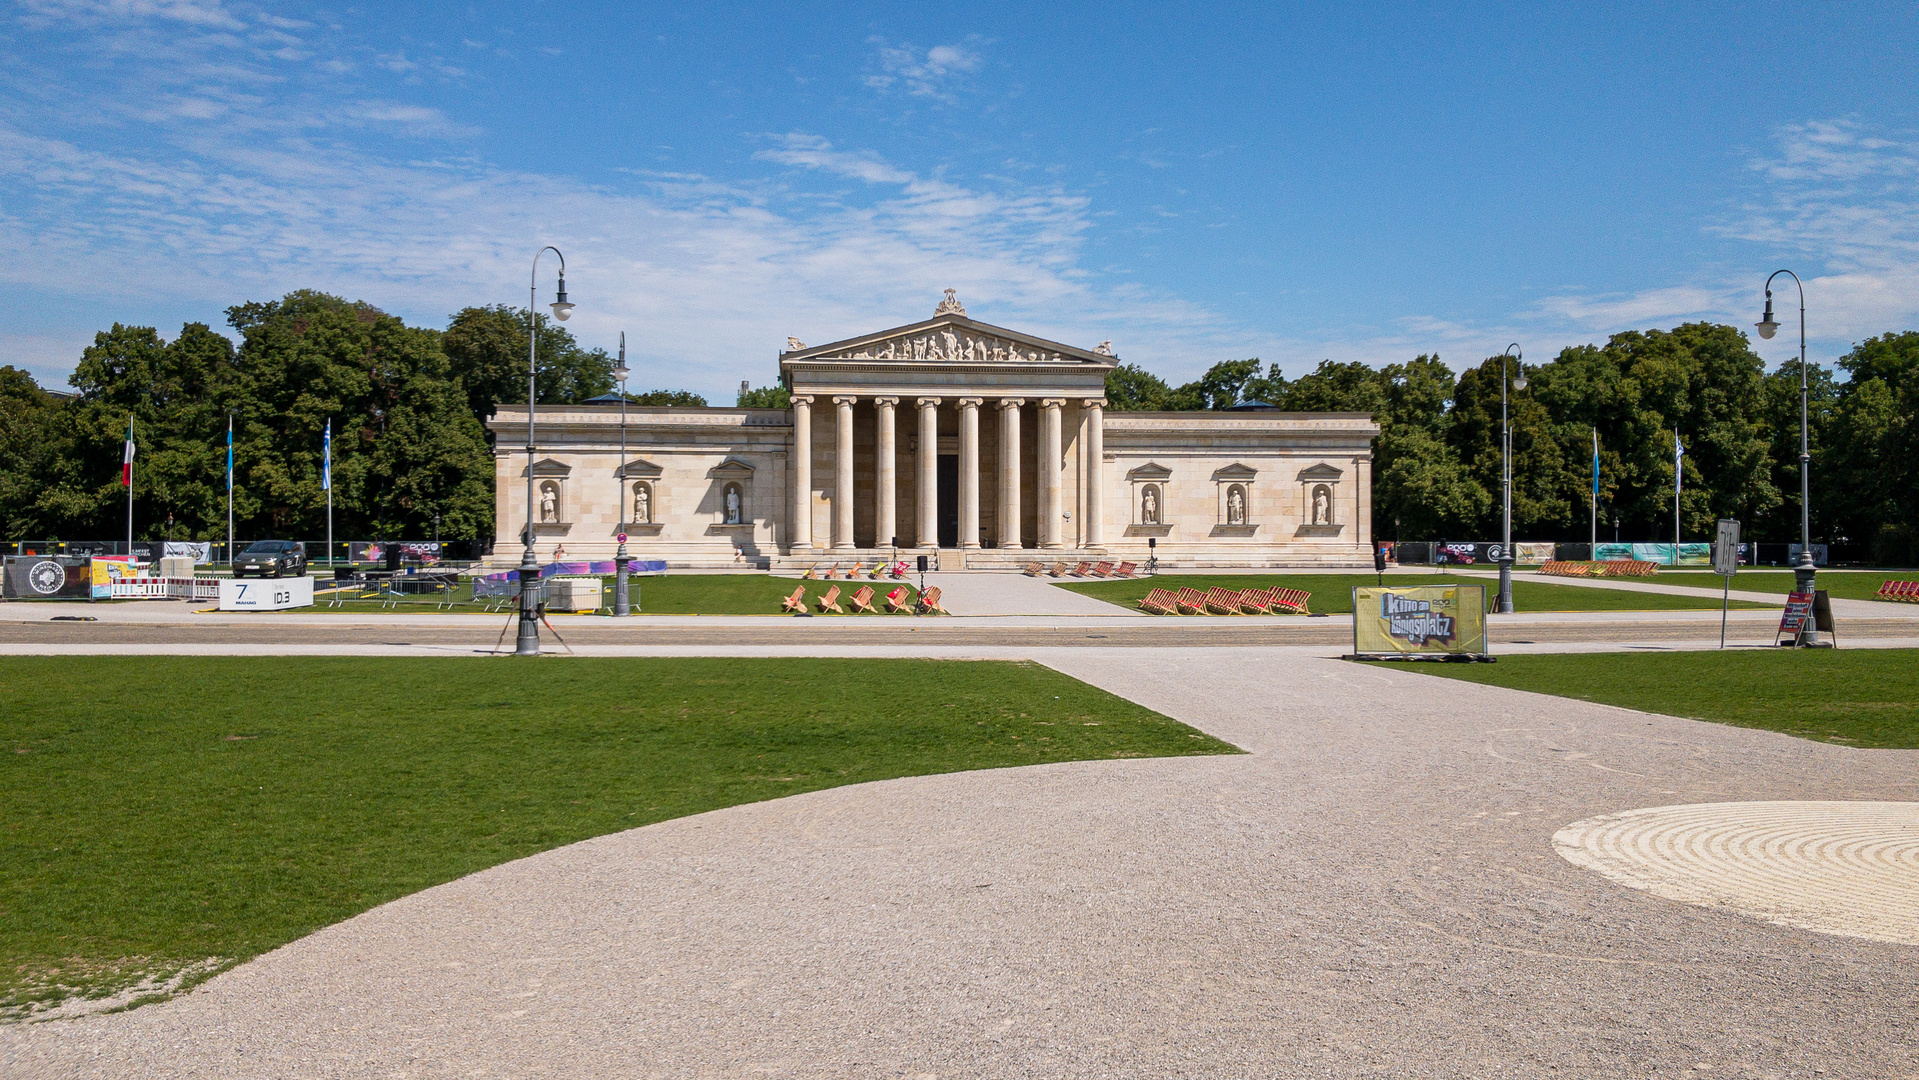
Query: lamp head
point(1767, 326)
point(620, 373)
point(561, 309)
point(1519, 382)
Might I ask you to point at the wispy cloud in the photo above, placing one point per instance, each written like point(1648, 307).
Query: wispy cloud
point(930, 73)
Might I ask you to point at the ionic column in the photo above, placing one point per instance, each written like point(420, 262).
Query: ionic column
point(929, 495)
point(1093, 513)
point(802, 529)
point(843, 475)
point(884, 492)
point(1050, 453)
point(1009, 471)
point(969, 471)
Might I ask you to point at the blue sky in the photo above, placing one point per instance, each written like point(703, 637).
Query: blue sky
point(1193, 184)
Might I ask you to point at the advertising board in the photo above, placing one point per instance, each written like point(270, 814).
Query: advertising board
point(43, 577)
point(1416, 620)
point(265, 594)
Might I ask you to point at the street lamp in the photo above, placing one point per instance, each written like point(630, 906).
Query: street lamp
point(1518, 355)
point(528, 643)
point(621, 605)
point(1804, 571)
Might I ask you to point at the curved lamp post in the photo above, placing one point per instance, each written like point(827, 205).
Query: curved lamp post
point(1803, 571)
point(528, 643)
point(621, 605)
point(1518, 355)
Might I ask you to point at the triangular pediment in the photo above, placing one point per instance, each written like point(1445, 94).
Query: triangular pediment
point(641, 469)
point(548, 467)
point(1152, 470)
point(1236, 471)
point(731, 469)
point(948, 338)
point(1321, 471)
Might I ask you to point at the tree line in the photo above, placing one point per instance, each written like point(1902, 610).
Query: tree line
point(408, 404)
point(1437, 459)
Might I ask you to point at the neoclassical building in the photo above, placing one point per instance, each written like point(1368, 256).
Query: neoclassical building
point(980, 445)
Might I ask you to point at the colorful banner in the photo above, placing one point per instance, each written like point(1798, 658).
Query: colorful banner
point(1533, 554)
point(1689, 554)
point(41, 577)
point(107, 569)
point(1419, 619)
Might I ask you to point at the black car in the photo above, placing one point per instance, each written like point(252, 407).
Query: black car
point(271, 558)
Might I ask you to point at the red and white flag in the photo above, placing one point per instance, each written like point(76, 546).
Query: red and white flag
point(126, 457)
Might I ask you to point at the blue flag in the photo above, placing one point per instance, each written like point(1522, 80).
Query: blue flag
point(326, 458)
point(229, 451)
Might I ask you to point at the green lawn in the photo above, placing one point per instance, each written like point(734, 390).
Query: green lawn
point(1333, 593)
point(1848, 585)
point(684, 594)
point(1859, 697)
point(162, 811)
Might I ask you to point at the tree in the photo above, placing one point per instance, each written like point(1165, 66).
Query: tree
point(26, 416)
point(764, 397)
point(487, 350)
point(679, 398)
point(1871, 467)
point(1221, 387)
point(1131, 388)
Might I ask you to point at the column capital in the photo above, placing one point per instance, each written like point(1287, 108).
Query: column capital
point(802, 400)
point(926, 401)
point(887, 402)
point(1092, 403)
point(1011, 402)
point(845, 399)
point(971, 402)
point(1052, 403)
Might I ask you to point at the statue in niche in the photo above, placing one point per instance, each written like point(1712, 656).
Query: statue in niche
point(1235, 506)
point(642, 505)
point(732, 504)
point(1149, 506)
point(549, 503)
point(1322, 505)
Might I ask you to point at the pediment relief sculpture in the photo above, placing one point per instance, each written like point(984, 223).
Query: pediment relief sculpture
point(948, 343)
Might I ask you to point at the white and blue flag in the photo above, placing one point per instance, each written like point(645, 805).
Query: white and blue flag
point(326, 458)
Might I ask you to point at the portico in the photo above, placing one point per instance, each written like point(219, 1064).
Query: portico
point(884, 452)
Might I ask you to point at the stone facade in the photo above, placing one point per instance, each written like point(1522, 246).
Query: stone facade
point(978, 444)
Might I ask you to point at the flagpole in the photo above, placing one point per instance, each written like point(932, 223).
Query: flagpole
point(229, 489)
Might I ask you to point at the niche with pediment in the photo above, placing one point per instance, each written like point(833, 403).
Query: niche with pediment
point(552, 512)
point(731, 496)
point(1233, 491)
point(643, 503)
point(1151, 515)
point(1319, 513)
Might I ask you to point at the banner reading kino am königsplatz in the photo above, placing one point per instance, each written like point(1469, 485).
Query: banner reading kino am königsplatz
point(1424, 619)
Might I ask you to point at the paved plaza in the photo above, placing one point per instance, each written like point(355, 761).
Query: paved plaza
point(1374, 889)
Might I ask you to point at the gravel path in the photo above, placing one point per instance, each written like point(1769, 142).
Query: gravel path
point(1371, 892)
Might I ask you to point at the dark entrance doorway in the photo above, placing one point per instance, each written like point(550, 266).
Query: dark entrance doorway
point(948, 488)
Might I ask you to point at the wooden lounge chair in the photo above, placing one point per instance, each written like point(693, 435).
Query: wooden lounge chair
point(929, 602)
point(862, 600)
point(1082, 569)
point(1222, 601)
point(1126, 569)
point(1255, 601)
point(1104, 569)
point(899, 570)
point(795, 602)
point(809, 572)
point(1034, 569)
point(1160, 602)
point(1190, 602)
point(1290, 600)
point(880, 570)
point(1905, 591)
point(896, 600)
point(1058, 570)
point(830, 601)
point(858, 569)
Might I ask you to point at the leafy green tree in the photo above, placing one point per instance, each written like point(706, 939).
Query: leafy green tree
point(487, 350)
point(26, 416)
point(1222, 387)
point(764, 397)
point(1131, 388)
point(1869, 475)
point(679, 398)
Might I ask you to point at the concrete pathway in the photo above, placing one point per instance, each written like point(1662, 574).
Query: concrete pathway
point(1372, 891)
point(977, 593)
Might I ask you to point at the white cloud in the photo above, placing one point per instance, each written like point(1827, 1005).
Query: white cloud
point(923, 74)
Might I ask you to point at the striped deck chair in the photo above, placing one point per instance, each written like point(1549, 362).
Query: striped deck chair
point(1291, 600)
point(1058, 570)
point(1160, 602)
point(1125, 569)
point(795, 602)
point(1033, 569)
point(862, 600)
point(1104, 569)
point(1222, 601)
point(1255, 601)
point(830, 601)
point(1082, 569)
point(1190, 602)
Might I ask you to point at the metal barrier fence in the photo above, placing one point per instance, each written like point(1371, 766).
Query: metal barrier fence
point(164, 589)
